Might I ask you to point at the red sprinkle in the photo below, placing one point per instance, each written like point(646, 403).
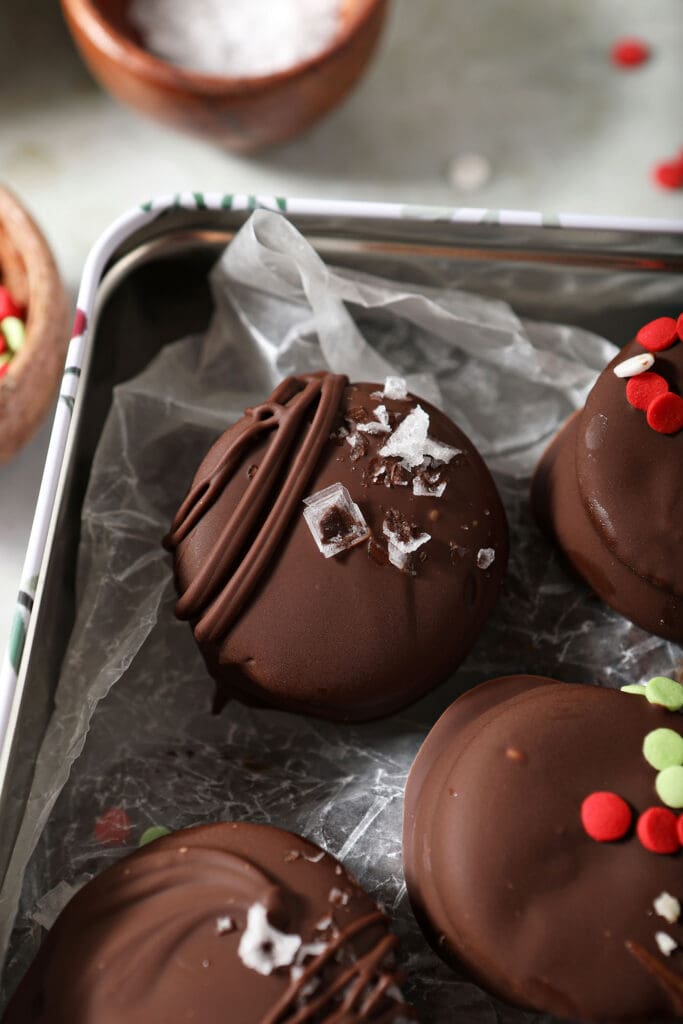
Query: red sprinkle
point(658, 334)
point(8, 306)
point(669, 173)
point(657, 830)
point(3, 343)
point(629, 53)
point(680, 829)
point(665, 414)
point(113, 827)
point(642, 389)
point(605, 817)
point(679, 327)
point(3, 370)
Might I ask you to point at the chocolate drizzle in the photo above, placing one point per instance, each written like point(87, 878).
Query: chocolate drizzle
point(239, 555)
point(358, 989)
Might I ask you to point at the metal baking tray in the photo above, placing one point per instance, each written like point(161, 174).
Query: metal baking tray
point(145, 284)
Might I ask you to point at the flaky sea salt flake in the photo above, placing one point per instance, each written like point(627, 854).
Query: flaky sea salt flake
point(485, 558)
point(666, 943)
point(262, 947)
point(410, 442)
point(668, 907)
point(335, 521)
point(380, 425)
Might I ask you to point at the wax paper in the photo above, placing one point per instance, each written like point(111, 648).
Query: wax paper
point(133, 726)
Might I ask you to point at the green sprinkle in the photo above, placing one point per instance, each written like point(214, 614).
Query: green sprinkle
point(14, 331)
point(666, 692)
point(155, 832)
point(634, 688)
point(669, 786)
point(663, 748)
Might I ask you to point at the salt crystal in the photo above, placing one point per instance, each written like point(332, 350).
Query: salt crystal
point(262, 947)
point(380, 425)
point(668, 907)
point(335, 521)
point(428, 483)
point(339, 897)
point(485, 558)
point(224, 925)
point(395, 388)
point(399, 548)
point(666, 943)
point(410, 442)
point(236, 37)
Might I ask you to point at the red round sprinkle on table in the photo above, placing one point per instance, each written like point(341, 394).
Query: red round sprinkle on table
point(658, 334)
point(8, 307)
point(642, 389)
point(605, 817)
point(113, 827)
point(629, 53)
point(665, 414)
point(669, 173)
point(657, 830)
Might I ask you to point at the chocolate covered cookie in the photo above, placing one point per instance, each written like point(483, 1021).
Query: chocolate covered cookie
point(542, 845)
point(231, 922)
point(609, 489)
point(339, 549)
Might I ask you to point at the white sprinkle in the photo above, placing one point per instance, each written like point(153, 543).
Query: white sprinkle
point(668, 907)
point(380, 425)
point(410, 442)
point(240, 37)
point(666, 944)
point(353, 529)
point(324, 923)
point(224, 924)
point(485, 558)
point(316, 858)
point(262, 947)
point(637, 364)
point(469, 172)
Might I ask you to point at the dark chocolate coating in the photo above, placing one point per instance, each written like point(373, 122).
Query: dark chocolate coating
point(609, 491)
point(500, 872)
point(142, 944)
point(349, 637)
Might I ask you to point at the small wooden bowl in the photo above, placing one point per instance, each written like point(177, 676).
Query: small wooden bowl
point(241, 114)
point(28, 271)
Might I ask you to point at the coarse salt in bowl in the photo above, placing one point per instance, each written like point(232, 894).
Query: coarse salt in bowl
point(242, 74)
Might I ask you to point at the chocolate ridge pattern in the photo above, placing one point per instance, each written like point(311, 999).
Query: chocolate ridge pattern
point(143, 941)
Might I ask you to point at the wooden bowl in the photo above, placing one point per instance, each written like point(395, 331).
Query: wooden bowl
point(241, 114)
point(28, 271)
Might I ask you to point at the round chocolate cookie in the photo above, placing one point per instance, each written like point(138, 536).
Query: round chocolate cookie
point(609, 491)
point(339, 549)
point(509, 806)
point(230, 922)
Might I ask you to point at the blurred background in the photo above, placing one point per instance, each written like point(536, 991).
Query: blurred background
point(494, 104)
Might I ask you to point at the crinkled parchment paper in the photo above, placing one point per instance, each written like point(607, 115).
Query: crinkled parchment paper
point(134, 700)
